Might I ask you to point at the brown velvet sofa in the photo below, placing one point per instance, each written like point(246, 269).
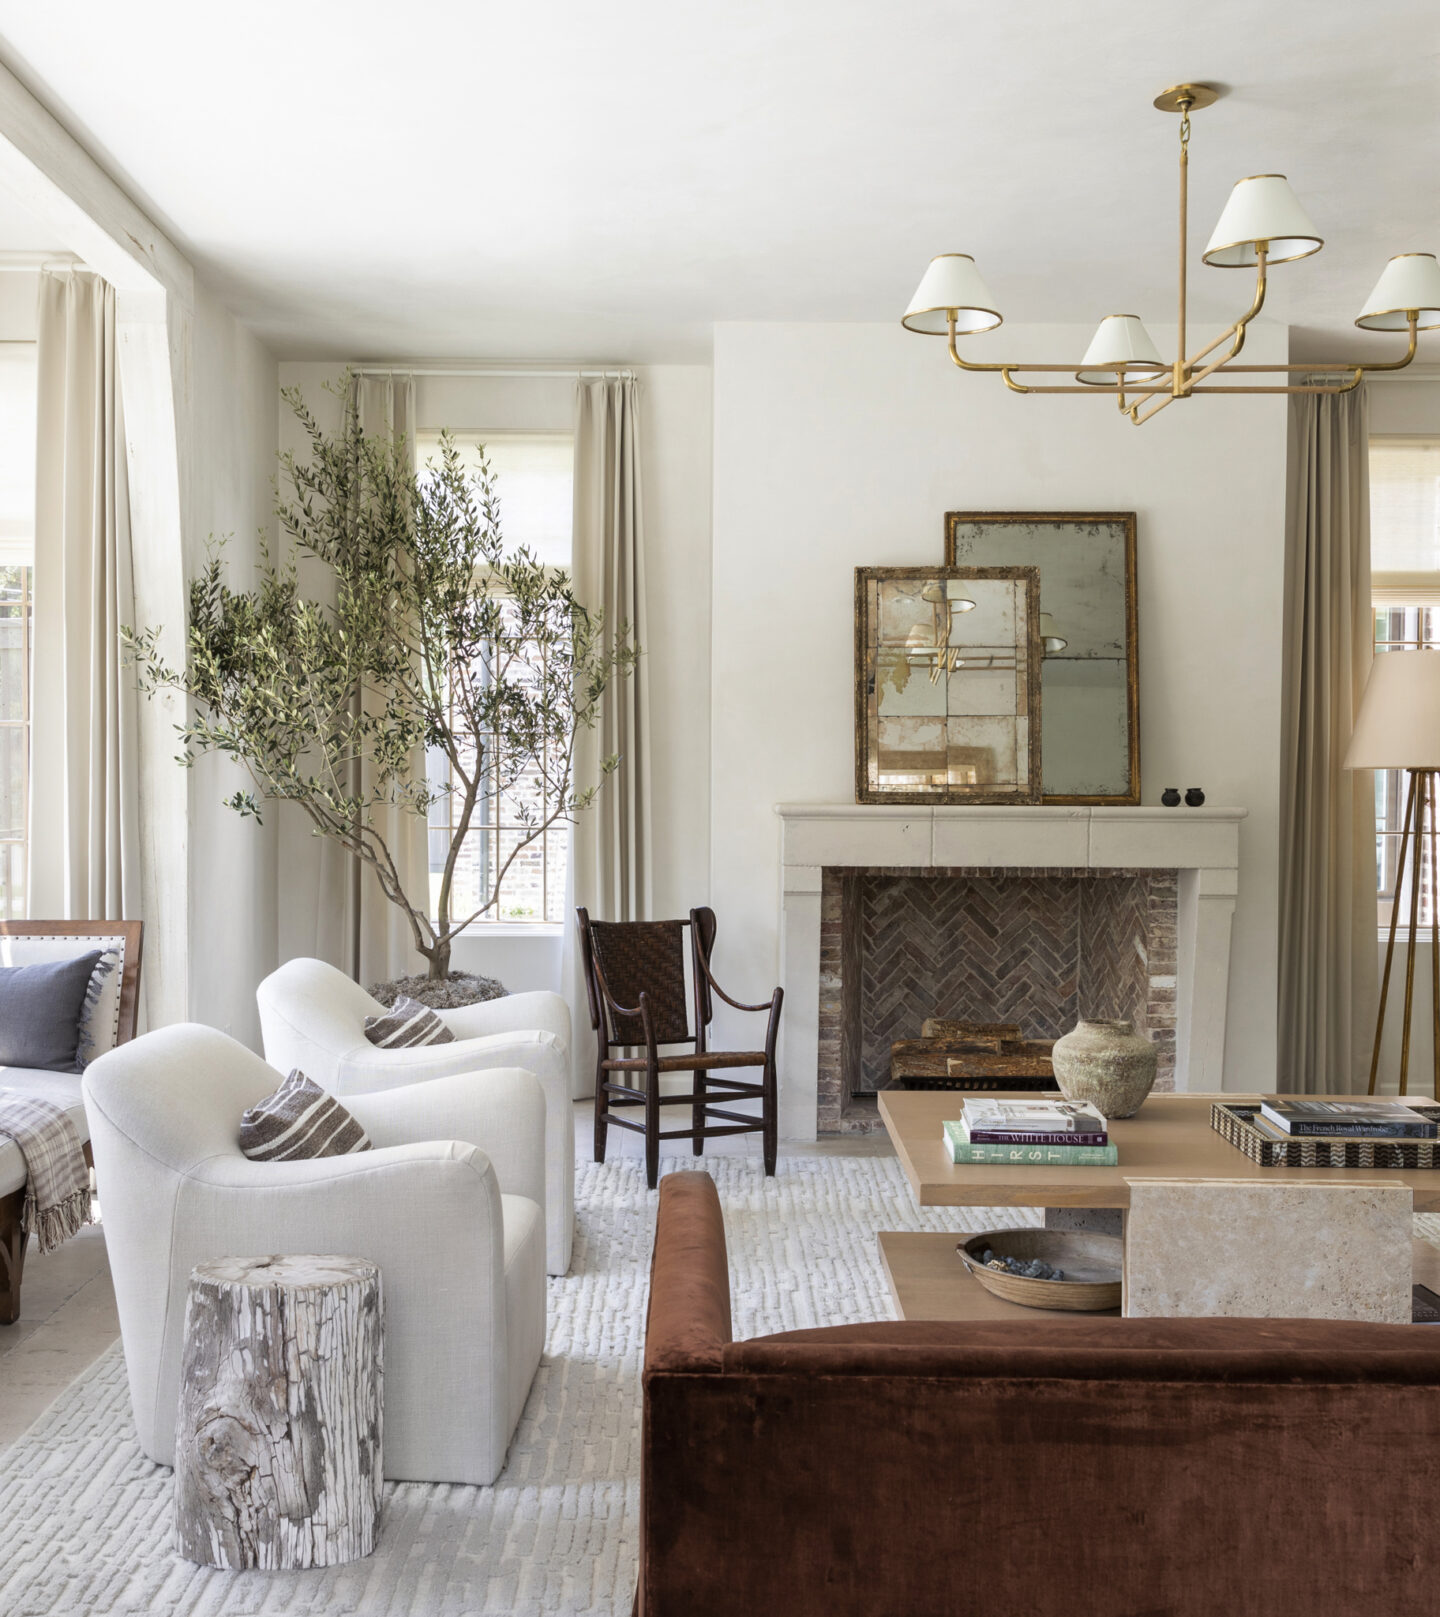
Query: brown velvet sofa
point(1113, 1468)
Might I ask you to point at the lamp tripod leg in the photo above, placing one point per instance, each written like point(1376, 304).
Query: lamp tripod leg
point(1417, 849)
point(1394, 922)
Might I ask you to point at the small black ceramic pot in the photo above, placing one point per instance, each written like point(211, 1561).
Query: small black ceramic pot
point(1194, 797)
point(1170, 797)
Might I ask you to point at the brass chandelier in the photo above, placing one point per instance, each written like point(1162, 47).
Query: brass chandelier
point(1262, 224)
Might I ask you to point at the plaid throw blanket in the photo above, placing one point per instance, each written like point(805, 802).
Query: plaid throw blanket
point(57, 1183)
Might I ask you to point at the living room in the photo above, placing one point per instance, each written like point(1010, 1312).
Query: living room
point(686, 734)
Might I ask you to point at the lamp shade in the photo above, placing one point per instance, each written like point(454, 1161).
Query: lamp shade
point(1398, 726)
point(1409, 281)
point(1120, 342)
point(952, 283)
point(1262, 208)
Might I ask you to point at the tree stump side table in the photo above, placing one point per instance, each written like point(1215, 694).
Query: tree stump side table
point(278, 1441)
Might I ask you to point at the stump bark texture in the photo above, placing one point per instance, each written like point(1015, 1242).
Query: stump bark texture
point(278, 1460)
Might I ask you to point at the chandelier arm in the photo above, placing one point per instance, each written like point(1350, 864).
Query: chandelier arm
point(1139, 420)
point(1344, 387)
point(1012, 384)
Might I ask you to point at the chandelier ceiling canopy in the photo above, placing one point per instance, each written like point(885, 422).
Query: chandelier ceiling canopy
point(1262, 224)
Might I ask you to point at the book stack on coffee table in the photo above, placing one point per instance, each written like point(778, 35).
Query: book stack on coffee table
point(1292, 1117)
point(1045, 1133)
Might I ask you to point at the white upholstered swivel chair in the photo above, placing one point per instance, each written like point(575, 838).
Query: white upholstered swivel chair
point(457, 1230)
point(313, 1017)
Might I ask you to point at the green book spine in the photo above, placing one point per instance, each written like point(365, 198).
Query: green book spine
point(1040, 1156)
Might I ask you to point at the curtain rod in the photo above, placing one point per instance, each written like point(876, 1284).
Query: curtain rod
point(620, 372)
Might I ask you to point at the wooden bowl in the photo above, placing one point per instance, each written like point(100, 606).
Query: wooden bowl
point(1092, 1265)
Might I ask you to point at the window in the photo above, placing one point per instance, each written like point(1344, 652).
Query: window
point(17, 550)
point(534, 476)
point(1405, 581)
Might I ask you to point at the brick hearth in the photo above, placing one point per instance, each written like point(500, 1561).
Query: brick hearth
point(1038, 946)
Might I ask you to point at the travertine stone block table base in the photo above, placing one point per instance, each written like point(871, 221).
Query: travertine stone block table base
point(278, 1459)
point(1268, 1251)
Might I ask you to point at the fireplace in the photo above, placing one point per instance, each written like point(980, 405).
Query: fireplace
point(1034, 947)
point(1127, 912)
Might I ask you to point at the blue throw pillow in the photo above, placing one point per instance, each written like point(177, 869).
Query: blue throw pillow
point(40, 1009)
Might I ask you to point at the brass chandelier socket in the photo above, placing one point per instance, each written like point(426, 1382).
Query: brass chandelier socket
point(1187, 97)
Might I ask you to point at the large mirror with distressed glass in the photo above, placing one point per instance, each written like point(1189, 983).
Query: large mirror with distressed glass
point(1090, 700)
point(947, 684)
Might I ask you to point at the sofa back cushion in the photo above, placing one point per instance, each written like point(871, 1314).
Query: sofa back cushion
point(100, 1028)
point(40, 1012)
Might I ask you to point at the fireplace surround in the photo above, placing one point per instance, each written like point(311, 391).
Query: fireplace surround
point(1135, 906)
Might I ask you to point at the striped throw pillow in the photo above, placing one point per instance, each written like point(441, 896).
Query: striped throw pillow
point(407, 1022)
point(299, 1120)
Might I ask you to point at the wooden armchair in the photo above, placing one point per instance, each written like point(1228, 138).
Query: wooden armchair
point(635, 981)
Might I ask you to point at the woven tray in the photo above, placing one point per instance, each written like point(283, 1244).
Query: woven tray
point(1235, 1124)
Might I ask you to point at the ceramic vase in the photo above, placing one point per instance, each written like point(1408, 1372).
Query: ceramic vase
point(1108, 1064)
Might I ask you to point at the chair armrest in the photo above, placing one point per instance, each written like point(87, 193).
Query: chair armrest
point(365, 1067)
point(688, 1324)
point(501, 1111)
point(540, 1011)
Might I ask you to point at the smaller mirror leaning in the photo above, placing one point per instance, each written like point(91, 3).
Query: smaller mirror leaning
point(947, 684)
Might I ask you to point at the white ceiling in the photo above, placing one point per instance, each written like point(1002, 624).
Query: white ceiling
point(589, 181)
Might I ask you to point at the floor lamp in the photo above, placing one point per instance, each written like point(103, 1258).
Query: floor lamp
point(1398, 727)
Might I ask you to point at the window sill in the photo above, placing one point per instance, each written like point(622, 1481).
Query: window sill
point(515, 929)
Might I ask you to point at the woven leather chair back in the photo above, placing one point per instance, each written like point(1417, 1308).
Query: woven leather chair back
point(648, 957)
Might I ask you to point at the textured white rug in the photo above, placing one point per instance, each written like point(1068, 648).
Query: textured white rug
point(85, 1518)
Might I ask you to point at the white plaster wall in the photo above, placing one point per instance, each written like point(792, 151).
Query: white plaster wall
point(233, 862)
point(838, 446)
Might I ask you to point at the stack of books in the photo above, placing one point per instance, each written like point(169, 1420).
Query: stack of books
point(1044, 1133)
point(1290, 1117)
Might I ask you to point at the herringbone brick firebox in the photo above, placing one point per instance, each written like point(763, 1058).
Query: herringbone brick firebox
point(1040, 947)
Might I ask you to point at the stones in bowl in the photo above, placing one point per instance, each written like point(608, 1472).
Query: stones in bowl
point(1090, 1263)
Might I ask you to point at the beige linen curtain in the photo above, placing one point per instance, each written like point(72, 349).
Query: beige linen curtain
point(610, 841)
point(379, 943)
point(84, 844)
point(1327, 813)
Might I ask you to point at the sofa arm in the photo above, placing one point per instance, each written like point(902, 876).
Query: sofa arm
point(364, 1067)
point(502, 1111)
point(688, 1324)
point(540, 1011)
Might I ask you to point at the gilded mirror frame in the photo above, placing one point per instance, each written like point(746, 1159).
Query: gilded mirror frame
point(1126, 521)
point(869, 722)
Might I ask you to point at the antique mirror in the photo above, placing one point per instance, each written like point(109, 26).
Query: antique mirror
point(1090, 700)
point(947, 684)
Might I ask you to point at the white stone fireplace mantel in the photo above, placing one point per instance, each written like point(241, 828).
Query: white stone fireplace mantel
point(1201, 845)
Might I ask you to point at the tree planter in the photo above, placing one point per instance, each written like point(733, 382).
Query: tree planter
point(440, 993)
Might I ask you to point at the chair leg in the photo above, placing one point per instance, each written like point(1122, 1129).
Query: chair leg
point(769, 1119)
point(13, 1241)
point(697, 1116)
point(652, 1128)
point(602, 1111)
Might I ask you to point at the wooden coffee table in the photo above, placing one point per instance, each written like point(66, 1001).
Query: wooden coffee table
point(1170, 1138)
point(928, 1280)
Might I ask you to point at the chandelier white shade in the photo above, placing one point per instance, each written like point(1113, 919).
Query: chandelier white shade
point(1262, 225)
point(1409, 281)
point(1120, 342)
point(1398, 726)
point(951, 289)
point(1261, 210)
